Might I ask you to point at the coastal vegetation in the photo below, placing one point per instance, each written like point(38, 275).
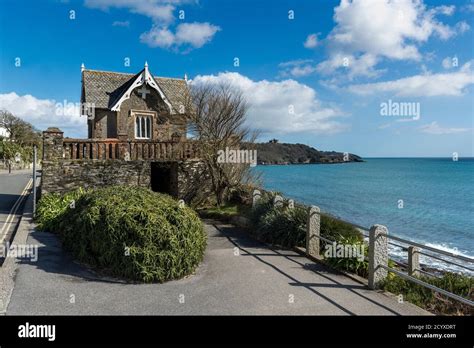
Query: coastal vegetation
point(127, 232)
point(285, 227)
point(458, 284)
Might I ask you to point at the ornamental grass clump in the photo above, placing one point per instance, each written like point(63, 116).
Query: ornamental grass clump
point(134, 233)
point(51, 208)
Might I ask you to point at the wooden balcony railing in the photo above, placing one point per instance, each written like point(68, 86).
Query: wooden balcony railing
point(111, 149)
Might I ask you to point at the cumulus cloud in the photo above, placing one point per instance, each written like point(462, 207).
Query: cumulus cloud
point(162, 34)
point(435, 128)
point(158, 10)
point(368, 30)
point(462, 27)
point(445, 10)
point(311, 41)
point(297, 68)
point(281, 107)
point(193, 34)
point(426, 85)
point(44, 113)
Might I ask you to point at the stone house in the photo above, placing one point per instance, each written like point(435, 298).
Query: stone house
point(136, 136)
point(134, 106)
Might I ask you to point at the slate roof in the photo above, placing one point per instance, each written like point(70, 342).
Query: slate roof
point(104, 88)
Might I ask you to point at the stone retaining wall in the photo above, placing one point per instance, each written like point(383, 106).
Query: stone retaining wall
point(188, 179)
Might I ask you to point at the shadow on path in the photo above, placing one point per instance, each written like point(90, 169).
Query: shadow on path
point(235, 237)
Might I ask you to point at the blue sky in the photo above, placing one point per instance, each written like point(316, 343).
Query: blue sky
point(314, 72)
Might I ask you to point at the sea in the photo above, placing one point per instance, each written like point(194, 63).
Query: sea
point(426, 200)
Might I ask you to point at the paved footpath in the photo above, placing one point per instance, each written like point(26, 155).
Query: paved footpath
point(258, 280)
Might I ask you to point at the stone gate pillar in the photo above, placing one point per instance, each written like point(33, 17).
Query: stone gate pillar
point(52, 144)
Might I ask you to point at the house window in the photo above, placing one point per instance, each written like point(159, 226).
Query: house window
point(142, 127)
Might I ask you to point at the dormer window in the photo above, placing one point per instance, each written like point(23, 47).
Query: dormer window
point(143, 126)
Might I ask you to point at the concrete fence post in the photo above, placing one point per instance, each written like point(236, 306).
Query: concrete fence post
point(413, 261)
point(313, 231)
point(278, 201)
point(256, 197)
point(378, 255)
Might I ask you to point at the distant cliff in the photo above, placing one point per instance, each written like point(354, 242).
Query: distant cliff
point(276, 153)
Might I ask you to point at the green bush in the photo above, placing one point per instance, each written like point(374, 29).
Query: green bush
point(134, 233)
point(354, 264)
point(338, 230)
point(52, 206)
point(421, 296)
point(283, 227)
point(287, 228)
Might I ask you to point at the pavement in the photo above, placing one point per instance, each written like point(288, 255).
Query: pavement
point(238, 276)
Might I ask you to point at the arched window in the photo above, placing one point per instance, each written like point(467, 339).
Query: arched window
point(143, 127)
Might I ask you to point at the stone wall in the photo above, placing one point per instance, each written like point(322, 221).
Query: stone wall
point(188, 179)
point(62, 176)
point(163, 123)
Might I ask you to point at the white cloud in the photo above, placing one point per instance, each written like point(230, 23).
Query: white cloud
point(158, 10)
point(297, 68)
point(426, 85)
point(194, 34)
point(445, 10)
point(368, 30)
point(44, 113)
point(435, 128)
point(462, 27)
point(311, 41)
point(161, 12)
point(271, 104)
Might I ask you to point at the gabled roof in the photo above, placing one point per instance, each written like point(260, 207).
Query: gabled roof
point(105, 88)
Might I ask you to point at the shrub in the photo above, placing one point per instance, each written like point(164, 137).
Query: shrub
point(458, 284)
point(338, 230)
point(51, 208)
point(287, 227)
point(282, 226)
point(134, 233)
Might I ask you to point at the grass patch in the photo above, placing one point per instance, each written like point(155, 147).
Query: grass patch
point(225, 212)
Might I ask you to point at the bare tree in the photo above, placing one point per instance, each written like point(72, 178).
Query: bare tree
point(217, 115)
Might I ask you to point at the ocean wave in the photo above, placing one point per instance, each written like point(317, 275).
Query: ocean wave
point(401, 255)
